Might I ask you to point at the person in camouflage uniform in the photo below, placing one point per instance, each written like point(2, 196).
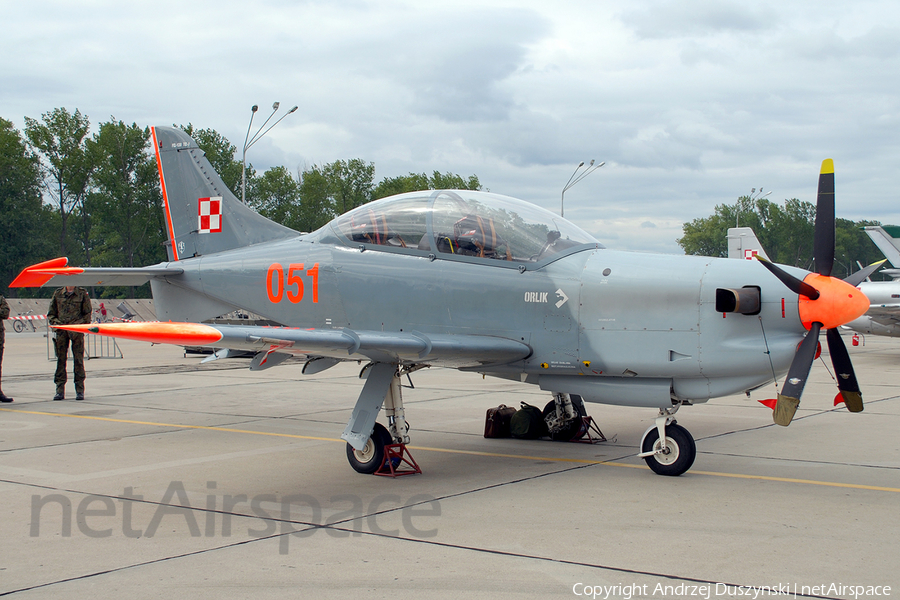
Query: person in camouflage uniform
point(69, 306)
point(4, 314)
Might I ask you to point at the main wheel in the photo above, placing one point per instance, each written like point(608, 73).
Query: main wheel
point(574, 430)
point(679, 455)
point(19, 326)
point(371, 457)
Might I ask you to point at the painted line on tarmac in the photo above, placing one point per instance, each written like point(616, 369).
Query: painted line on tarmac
point(171, 425)
point(854, 486)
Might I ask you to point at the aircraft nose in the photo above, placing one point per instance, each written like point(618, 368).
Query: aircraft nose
point(838, 302)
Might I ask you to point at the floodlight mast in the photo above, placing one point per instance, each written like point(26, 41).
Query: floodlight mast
point(754, 195)
point(248, 141)
point(575, 178)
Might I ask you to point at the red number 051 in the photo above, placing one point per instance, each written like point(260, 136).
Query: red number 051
point(277, 285)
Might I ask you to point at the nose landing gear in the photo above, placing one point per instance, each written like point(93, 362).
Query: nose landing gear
point(674, 456)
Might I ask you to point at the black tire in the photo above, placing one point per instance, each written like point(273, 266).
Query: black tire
point(370, 458)
point(682, 451)
point(18, 326)
point(575, 430)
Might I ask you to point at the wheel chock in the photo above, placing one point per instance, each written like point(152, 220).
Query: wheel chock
point(398, 461)
point(591, 432)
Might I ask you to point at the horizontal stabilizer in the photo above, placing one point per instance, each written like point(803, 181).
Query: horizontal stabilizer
point(57, 272)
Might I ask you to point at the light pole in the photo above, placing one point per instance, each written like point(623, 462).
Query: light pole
point(575, 178)
point(248, 141)
point(754, 196)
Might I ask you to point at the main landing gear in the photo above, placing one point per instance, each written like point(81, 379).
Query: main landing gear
point(384, 452)
point(677, 454)
point(371, 457)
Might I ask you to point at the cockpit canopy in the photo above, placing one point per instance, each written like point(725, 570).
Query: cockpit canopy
point(462, 223)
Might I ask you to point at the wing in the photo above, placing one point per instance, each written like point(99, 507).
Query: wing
point(451, 350)
point(57, 272)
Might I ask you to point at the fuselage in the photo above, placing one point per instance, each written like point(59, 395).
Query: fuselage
point(617, 327)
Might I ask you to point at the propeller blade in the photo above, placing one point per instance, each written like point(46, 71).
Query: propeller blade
point(823, 250)
point(843, 371)
point(857, 278)
point(789, 398)
point(798, 286)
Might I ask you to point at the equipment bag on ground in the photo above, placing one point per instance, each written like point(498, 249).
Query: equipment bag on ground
point(528, 423)
point(496, 424)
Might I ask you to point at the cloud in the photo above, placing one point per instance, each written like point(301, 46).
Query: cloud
point(691, 103)
point(454, 71)
point(682, 18)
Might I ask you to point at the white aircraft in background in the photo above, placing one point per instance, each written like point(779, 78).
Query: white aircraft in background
point(883, 316)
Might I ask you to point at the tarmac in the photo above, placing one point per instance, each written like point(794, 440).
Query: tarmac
point(211, 481)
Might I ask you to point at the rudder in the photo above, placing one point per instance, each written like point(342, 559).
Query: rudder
point(202, 215)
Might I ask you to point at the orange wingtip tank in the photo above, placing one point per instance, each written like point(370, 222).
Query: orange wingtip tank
point(181, 334)
point(39, 274)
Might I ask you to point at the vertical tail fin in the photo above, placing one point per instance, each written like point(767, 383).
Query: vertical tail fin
point(742, 243)
point(202, 215)
point(888, 245)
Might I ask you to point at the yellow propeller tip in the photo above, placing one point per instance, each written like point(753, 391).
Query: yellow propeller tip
point(827, 166)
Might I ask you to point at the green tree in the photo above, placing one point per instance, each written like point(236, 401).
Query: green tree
point(126, 199)
point(705, 237)
point(852, 246)
point(415, 182)
point(23, 217)
point(317, 204)
point(786, 233)
point(349, 183)
point(333, 189)
point(60, 140)
point(221, 154)
point(276, 195)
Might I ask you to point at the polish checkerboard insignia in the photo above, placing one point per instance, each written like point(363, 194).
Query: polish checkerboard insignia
point(210, 215)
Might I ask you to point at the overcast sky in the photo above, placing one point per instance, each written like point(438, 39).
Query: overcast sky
point(691, 103)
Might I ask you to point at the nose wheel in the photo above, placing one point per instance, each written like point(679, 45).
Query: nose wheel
point(673, 457)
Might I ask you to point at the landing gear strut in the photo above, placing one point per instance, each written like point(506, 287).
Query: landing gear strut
point(384, 452)
point(564, 416)
point(674, 456)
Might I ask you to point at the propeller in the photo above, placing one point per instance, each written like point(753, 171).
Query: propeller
point(824, 303)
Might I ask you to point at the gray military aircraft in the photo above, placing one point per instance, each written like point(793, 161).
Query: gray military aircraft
point(485, 283)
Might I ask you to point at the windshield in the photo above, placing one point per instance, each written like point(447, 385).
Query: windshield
point(463, 223)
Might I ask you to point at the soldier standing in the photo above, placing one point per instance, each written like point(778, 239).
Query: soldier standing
point(4, 314)
point(69, 306)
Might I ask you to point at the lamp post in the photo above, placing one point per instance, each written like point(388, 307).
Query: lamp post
point(249, 141)
point(575, 178)
point(754, 196)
